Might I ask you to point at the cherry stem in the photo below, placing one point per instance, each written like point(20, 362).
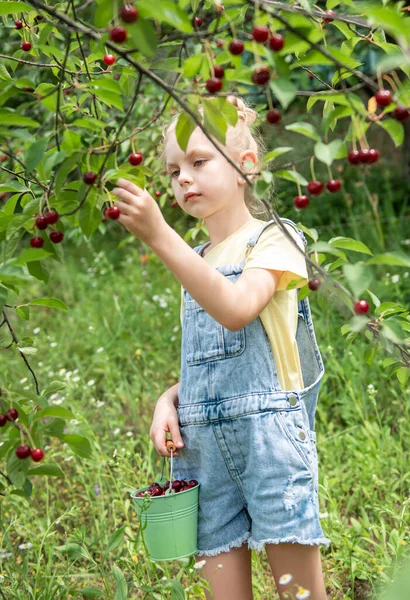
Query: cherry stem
point(208, 52)
point(329, 170)
point(379, 78)
point(269, 96)
point(87, 159)
point(297, 182)
point(392, 83)
point(312, 170)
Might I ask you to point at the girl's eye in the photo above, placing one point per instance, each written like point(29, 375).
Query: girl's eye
point(176, 170)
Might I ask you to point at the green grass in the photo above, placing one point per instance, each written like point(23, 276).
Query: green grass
point(118, 349)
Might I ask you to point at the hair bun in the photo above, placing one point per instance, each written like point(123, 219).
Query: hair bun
point(245, 113)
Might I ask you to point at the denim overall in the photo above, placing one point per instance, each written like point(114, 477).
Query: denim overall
point(250, 444)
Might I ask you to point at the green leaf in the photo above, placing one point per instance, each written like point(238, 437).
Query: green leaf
point(214, 121)
point(73, 550)
point(403, 374)
point(89, 217)
point(91, 592)
point(184, 128)
point(326, 153)
point(394, 128)
point(284, 90)
point(276, 152)
point(306, 129)
point(350, 244)
point(291, 176)
point(166, 11)
point(395, 259)
point(17, 469)
point(115, 540)
point(34, 154)
point(121, 592)
point(358, 277)
point(109, 98)
point(54, 386)
point(38, 270)
point(78, 444)
point(51, 470)
point(58, 412)
point(374, 298)
point(53, 302)
point(8, 8)
point(12, 118)
point(192, 65)
point(142, 35)
point(29, 255)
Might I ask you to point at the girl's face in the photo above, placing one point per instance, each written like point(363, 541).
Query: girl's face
point(203, 170)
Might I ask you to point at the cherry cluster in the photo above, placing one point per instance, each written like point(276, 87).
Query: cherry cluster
point(178, 485)
point(360, 307)
point(23, 451)
point(42, 222)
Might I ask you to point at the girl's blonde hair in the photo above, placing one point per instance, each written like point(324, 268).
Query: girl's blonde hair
point(238, 139)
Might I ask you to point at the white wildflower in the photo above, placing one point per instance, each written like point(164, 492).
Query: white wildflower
point(395, 278)
point(36, 330)
point(100, 403)
point(40, 364)
point(53, 344)
point(285, 578)
point(62, 371)
point(129, 434)
point(116, 431)
point(23, 380)
point(26, 546)
point(199, 564)
point(90, 383)
point(100, 349)
point(302, 593)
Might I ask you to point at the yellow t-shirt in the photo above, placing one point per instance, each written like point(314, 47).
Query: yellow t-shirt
point(280, 317)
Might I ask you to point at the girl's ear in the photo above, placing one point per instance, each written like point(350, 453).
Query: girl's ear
point(247, 156)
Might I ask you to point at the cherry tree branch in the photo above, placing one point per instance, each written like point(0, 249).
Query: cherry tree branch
point(21, 353)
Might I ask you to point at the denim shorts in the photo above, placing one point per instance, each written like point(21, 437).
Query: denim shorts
point(250, 444)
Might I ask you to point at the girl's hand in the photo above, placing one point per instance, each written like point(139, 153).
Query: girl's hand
point(140, 214)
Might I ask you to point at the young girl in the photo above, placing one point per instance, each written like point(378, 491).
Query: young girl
point(243, 412)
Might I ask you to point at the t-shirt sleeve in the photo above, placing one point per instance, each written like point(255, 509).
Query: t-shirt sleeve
point(274, 251)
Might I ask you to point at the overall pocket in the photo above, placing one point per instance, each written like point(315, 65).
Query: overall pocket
point(293, 425)
point(207, 340)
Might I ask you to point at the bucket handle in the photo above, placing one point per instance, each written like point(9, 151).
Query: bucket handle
point(171, 447)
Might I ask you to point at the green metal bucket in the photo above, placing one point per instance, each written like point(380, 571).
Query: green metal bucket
point(170, 523)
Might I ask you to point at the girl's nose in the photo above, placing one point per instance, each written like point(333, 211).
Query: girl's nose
point(184, 178)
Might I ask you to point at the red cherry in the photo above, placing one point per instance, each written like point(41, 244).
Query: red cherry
point(218, 71)
point(109, 59)
point(236, 47)
point(135, 158)
point(89, 177)
point(333, 185)
point(192, 482)
point(12, 414)
point(273, 116)
point(330, 16)
point(364, 154)
point(220, 44)
point(301, 201)
point(260, 33)
point(314, 284)
point(128, 13)
point(213, 85)
point(373, 155)
point(315, 187)
point(18, 24)
point(23, 451)
point(361, 307)
point(197, 22)
point(276, 42)
point(41, 222)
point(354, 157)
point(37, 454)
point(3, 420)
point(51, 217)
point(113, 212)
point(26, 46)
point(384, 97)
point(36, 242)
point(261, 76)
point(158, 194)
point(401, 113)
point(118, 34)
point(174, 204)
point(56, 237)
point(3, 157)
